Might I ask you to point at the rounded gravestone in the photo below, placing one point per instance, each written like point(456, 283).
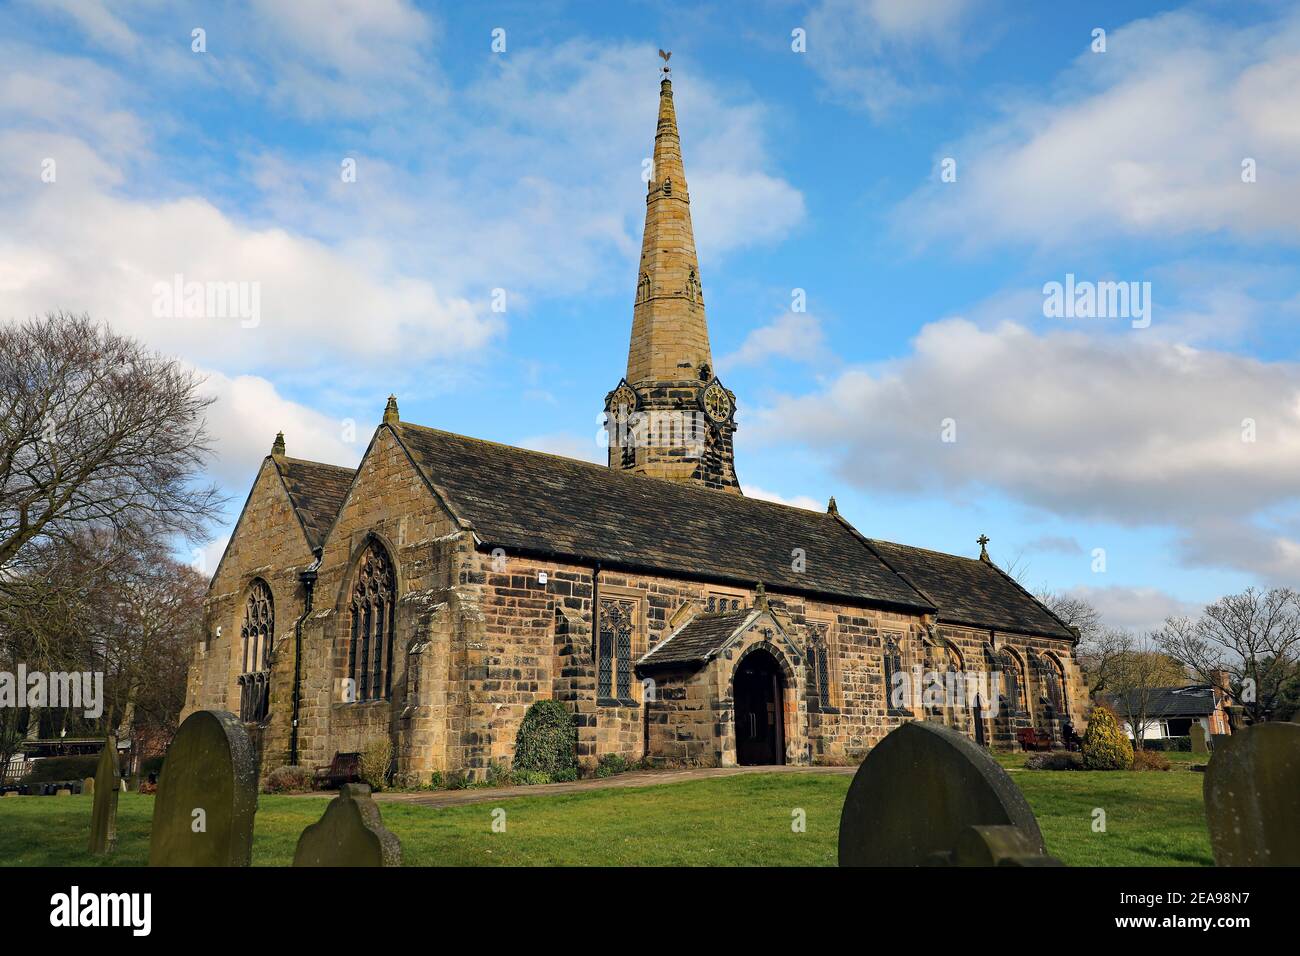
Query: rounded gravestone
point(207, 796)
point(351, 833)
point(1252, 796)
point(918, 791)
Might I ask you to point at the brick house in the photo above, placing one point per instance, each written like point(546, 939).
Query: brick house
point(436, 591)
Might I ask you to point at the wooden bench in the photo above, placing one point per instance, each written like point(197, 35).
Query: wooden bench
point(1031, 738)
point(344, 768)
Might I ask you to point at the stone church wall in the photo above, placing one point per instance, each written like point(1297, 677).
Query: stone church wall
point(268, 544)
point(479, 638)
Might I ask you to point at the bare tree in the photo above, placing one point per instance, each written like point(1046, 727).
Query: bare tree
point(1135, 672)
point(96, 433)
point(1245, 645)
point(1074, 611)
point(1101, 655)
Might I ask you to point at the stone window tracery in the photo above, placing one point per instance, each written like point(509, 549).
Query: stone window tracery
point(255, 637)
point(374, 612)
point(616, 626)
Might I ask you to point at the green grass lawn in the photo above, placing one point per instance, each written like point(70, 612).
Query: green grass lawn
point(1152, 819)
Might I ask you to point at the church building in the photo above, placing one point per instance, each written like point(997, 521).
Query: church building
point(435, 592)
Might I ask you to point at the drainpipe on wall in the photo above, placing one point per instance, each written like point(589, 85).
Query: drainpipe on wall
point(308, 578)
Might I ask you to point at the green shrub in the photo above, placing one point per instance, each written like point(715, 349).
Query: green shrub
point(612, 764)
point(1149, 760)
point(288, 779)
point(530, 778)
point(1169, 745)
point(564, 776)
point(48, 769)
point(1105, 746)
point(376, 762)
point(547, 740)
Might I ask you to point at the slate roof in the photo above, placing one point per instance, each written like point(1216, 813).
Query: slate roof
point(971, 591)
point(1192, 701)
point(696, 641)
point(316, 491)
point(545, 504)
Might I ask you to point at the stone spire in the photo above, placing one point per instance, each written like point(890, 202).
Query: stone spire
point(671, 417)
point(670, 336)
point(277, 446)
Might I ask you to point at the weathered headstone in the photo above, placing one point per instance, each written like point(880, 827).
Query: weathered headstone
point(1252, 797)
point(207, 795)
point(928, 795)
point(1197, 734)
point(351, 833)
point(63, 791)
point(103, 815)
point(88, 786)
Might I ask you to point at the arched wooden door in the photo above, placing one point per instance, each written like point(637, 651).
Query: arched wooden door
point(758, 692)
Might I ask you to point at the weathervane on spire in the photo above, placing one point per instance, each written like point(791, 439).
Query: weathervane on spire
point(666, 57)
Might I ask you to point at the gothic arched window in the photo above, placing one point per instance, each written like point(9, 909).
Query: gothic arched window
point(819, 665)
point(1013, 684)
point(255, 637)
point(1053, 684)
point(374, 613)
point(893, 662)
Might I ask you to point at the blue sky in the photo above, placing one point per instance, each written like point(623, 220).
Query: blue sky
point(818, 170)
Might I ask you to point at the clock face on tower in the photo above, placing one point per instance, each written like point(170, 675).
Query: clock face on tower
point(717, 403)
point(623, 399)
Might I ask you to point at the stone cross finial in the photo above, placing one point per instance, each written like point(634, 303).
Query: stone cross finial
point(390, 411)
point(983, 541)
point(760, 596)
point(831, 508)
point(277, 447)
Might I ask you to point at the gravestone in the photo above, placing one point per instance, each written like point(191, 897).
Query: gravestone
point(103, 815)
point(351, 833)
point(1197, 733)
point(88, 786)
point(207, 796)
point(1252, 797)
point(63, 791)
point(927, 795)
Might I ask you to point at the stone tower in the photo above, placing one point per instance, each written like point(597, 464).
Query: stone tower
point(670, 417)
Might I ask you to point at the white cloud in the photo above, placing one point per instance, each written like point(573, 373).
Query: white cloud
point(1127, 428)
point(248, 413)
point(881, 54)
point(1137, 609)
point(1146, 139)
point(795, 336)
point(797, 501)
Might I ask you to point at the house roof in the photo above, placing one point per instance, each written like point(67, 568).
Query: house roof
point(531, 501)
point(971, 591)
point(697, 640)
point(316, 492)
point(1195, 700)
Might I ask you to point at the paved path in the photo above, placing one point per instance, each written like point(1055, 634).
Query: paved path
point(636, 778)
